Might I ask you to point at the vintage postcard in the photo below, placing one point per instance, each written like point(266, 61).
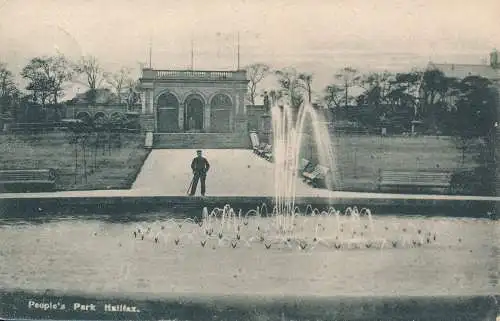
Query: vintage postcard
point(249, 160)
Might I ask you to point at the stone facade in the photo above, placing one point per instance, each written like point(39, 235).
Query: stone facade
point(203, 101)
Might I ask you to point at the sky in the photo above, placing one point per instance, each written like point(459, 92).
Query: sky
point(314, 36)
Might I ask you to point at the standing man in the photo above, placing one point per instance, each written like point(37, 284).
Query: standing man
point(200, 167)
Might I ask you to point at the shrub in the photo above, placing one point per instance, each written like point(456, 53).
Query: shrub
point(477, 181)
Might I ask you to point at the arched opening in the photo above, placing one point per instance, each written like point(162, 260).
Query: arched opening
point(99, 116)
point(193, 117)
point(220, 113)
point(85, 117)
point(167, 113)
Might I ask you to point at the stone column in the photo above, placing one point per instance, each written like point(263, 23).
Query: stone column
point(181, 116)
point(151, 102)
point(236, 100)
point(143, 102)
point(241, 99)
point(206, 118)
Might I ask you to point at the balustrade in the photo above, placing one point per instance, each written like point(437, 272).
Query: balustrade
point(202, 75)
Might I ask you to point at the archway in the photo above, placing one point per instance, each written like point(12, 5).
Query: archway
point(193, 114)
point(99, 115)
point(220, 113)
point(168, 113)
point(85, 117)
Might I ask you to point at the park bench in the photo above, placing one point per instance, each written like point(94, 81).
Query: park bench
point(303, 165)
point(414, 180)
point(317, 177)
point(266, 149)
point(27, 180)
point(268, 153)
point(254, 139)
point(259, 148)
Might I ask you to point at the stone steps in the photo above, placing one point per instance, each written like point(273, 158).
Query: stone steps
point(201, 141)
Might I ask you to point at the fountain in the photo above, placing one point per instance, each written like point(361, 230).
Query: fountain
point(290, 128)
point(286, 248)
point(309, 229)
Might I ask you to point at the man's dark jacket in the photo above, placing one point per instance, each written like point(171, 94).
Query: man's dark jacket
point(200, 165)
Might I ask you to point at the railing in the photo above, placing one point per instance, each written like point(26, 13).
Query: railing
point(194, 74)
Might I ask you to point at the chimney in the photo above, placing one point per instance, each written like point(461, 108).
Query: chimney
point(494, 63)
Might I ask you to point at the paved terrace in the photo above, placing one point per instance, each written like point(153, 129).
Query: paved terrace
point(233, 173)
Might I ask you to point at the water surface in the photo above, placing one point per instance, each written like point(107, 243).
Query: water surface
point(97, 255)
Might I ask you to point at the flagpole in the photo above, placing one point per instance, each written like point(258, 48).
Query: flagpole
point(150, 52)
point(192, 54)
point(238, 51)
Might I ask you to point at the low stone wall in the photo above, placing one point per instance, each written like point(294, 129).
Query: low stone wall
point(239, 140)
point(118, 207)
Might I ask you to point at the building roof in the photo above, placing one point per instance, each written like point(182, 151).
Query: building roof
point(461, 71)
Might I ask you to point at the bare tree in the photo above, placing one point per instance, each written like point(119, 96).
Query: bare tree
point(46, 77)
point(377, 87)
point(92, 73)
point(333, 95)
point(9, 93)
point(306, 84)
point(118, 81)
point(348, 77)
point(255, 73)
point(291, 86)
point(62, 74)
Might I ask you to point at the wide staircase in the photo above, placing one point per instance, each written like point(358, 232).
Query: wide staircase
point(201, 141)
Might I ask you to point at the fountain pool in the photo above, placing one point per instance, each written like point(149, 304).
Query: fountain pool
point(353, 252)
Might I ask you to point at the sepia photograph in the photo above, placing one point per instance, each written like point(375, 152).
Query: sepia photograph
point(238, 160)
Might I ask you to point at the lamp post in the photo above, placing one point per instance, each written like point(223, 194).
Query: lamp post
point(355, 163)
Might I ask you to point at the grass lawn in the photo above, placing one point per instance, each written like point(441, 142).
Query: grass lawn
point(359, 158)
point(115, 169)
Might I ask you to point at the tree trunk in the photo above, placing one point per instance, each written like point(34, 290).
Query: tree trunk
point(84, 160)
point(76, 158)
point(95, 151)
point(346, 93)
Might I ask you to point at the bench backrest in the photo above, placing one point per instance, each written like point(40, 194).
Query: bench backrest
point(27, 175)
point(254, 138)
point(303, 164)
point(315, 172)
point(415, 176)
point(323, 170)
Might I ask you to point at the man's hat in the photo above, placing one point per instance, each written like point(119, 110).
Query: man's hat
point(198, 151)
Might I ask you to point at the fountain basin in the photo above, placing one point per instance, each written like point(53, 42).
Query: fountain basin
point(122, 204)
point(92, 257)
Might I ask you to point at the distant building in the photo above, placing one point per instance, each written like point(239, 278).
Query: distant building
point(194, 100)
point(102, 96)
point(489, 71)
